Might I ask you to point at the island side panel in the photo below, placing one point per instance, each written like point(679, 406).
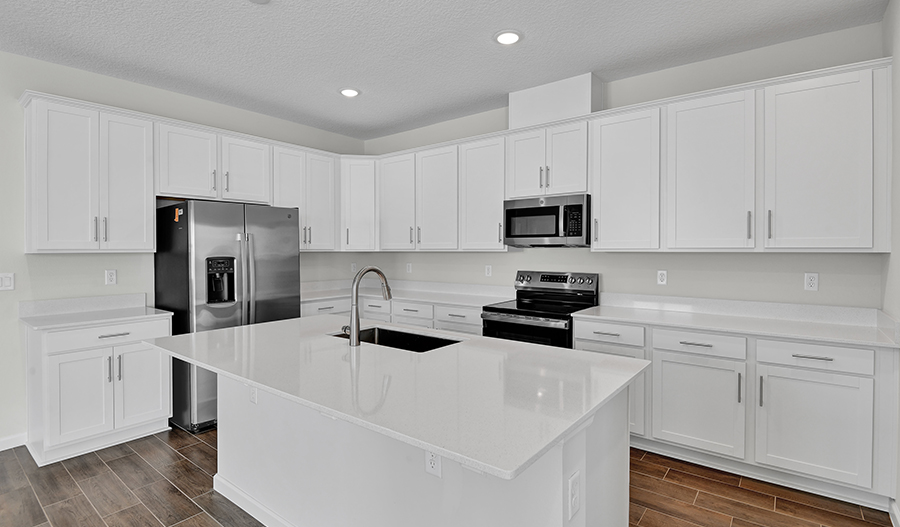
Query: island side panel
point(290, 465)
point(608, 466)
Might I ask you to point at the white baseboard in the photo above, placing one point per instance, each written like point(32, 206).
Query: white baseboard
point(12, 441)
point(895, 513)
point(250, 505)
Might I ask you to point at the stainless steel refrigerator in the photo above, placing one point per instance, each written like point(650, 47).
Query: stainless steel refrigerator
point(220, 265)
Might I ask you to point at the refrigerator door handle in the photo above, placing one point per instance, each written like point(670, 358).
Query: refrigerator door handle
point(244, 278)
point(251, 258)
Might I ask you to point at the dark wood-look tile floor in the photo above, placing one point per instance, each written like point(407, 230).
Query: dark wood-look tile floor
point(163, 480)
point(666, 492)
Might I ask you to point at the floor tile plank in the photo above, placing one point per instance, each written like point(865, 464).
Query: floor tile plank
point(12, 476)
point(85, 467)
point(635, 512)
point(114, 452)
point(203, 456)
point(189, 478)
point(74, 512)
point(201, 520)
point(749, 512)
point(798, 496)
point(820, 516)
point(177, 438)
point(166, 502)
point(210, 437)
point(877, 517)
point(636, 453)
point(134, 471)
point(136, 516)
point(672, 507)
point(658, 519)
point(710, 486)
point(225, 512)
point(52, 484)
point(155, 452)
point(666, 488)
point(650, 469)
point(107, 493)
point(20, 508)
point(691, 468)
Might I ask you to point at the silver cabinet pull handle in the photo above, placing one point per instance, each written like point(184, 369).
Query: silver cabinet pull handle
point(541, 177)
point(114, 335)
point(214, 179)
point(105, 229)
point(348, 236)
point(226, 181)
point(374, 305)
point(739, 388)
point(419, 234)
point(812, 357)
point(310, 235)
point(410, 236)
point(499, 232)
point(120, 367)
point(109, 368)
point(770, 225)
point(304, 235)
point(607, 334)
point(749, 213)
point(596, 229)
point(411, 310)
point(454, 315)
point(760, 391)
point(95, 228)
point(548, 177)
point(698, 344)
point(326, 308)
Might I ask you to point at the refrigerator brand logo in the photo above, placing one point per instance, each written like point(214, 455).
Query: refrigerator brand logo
point(178, 213)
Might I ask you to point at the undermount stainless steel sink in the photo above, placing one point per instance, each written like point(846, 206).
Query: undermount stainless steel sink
point(400, 339)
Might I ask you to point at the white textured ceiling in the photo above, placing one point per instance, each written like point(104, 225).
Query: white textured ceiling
point(417, 62)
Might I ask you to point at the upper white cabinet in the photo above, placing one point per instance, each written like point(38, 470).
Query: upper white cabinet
point(437, 188)
point(481, 171)
point(625, 181)
point(550, 160)
point(246, 172)
point(89, 180)
point(319, 211)
point(819, 162)
point(711, 172)
point(397, 202)
point(358, 204)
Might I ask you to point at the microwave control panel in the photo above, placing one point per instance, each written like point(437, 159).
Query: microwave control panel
point(572, 218)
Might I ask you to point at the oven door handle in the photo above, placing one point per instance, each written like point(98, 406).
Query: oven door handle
point(544, 323)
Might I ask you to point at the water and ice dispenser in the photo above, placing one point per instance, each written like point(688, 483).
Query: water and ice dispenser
point(219, 280)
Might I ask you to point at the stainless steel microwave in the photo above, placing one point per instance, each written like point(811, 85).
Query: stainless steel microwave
point(551, 221)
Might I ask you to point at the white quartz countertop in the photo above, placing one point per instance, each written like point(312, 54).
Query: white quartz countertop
point(758, 326)
point(492, 405)
point(431, 297)
point(93, 318)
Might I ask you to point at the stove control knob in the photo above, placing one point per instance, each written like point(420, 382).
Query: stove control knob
point(521, 278)
point(572, 280)
point(528, 278)
point(590, 281)
point(581, 280)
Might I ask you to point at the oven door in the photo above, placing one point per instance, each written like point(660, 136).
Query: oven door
point(561, 338)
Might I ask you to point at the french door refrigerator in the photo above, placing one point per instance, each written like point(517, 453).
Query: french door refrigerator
point(219, 265)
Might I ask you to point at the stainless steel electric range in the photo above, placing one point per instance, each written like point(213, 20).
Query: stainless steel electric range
point(542, 310)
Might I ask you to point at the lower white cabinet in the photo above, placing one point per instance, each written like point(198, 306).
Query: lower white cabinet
point(141, 382)
point(79, 395)
point(325, 307)
point(636, 392)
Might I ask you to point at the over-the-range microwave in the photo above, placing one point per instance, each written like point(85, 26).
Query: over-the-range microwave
point(551, 221)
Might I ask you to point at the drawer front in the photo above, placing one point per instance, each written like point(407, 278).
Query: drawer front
point(459, 328)
point(381, 317)
point(700, 343)
point(113, 335)
point(325, 307)
point(412, 321)
point(410, 309)
point(372, 305)
point(613, 333)
point(817, 356)
point(459, 315)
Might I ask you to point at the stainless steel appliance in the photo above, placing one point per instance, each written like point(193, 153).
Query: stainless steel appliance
point(552, 221)
point(219, 265)
point(542, 310)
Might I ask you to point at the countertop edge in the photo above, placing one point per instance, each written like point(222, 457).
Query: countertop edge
point(30, 321)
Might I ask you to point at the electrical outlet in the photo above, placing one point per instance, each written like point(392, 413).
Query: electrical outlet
point(811, 281)
point(487, 270)
point(662, 278)
point(574, 494)
point(432, 463)
point(253, 394)
point(353, 268)
point(409, 268)
point(109, 277)
point(7, 281)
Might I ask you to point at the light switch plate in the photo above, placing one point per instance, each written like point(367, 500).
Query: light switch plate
point(7, 281)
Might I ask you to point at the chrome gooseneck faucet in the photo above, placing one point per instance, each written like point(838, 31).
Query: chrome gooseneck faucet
point(354, 299)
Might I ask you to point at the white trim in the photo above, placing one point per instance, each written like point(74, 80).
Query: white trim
point(12, 441)
point(894, 511)
point(250, 505)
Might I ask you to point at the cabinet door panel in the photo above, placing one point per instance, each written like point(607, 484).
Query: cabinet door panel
point(710, 172)
point(358, 204)
point(566, 170)
point(481, 167)
point(187, 162)
point(320, 203)
point(816, 423)
point(695, 402)
point(288, 167)
point(437, 203)
point(636, 391)
point(66, 186)
point(625, 174)
point(246, 173)
point(142, 384)
point(819, 164)
point(397, 202)
point(79, 395)
point(525, 156)
point(127, 203)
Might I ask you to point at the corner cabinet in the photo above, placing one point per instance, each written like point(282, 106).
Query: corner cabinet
point(547, 161)
point(89, 180)
point(397, 202)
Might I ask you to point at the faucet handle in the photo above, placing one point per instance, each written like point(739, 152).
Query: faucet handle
point(345, 330)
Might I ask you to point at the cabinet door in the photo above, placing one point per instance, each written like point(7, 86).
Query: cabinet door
point(79, 395)
point(816, 423)
point(246, 172)
point(141, 384)
point(288, 168)
point(127, 202)
point(481, 167)
point(397, 202)
point(819, 162)
point(625, 181)
point(437, 203)
point(186, 166)
point(320, 203)
point(525, 164)
point(710, 172)
point(65, 202)
point(699, 402)
point(566, 166)
point(636, 391)
point(358, 204)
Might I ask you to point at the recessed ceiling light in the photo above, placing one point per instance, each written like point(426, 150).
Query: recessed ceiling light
point(349, 92)
point(507, 37)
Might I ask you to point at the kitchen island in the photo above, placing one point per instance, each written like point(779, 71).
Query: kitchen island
point(312, 432)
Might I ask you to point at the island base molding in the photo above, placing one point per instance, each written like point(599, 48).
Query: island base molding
point(778, 477)
point(291, 466)
point(44, 457)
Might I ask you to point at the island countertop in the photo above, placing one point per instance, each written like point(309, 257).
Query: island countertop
point(492, 405)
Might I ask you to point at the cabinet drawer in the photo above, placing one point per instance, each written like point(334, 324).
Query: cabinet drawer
point(459, 315)
point(372, 305)
point(471, 329)
point(325, 307)
point(700, 343)
point(409, 309)
point(57, 341)
point(381, 317)
point(412, 321)
point(614, 333)
point(817, 356)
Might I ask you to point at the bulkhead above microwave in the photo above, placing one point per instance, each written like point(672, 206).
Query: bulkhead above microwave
point(551, 221)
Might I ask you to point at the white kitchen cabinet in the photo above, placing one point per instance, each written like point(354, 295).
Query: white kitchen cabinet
point(187, 161)
point(310, 308)
point(437, 204)
point(89, 180)
point(625, 181)
point(79, 395)
point(319, 232)
point(358, 218)
point(711, 172)
point(288, 177)
point(547, 161)
point(636, 392)
point(246, 170)
point(141, 384)
point(819, 162)
point(397, 202)
point(481, 172)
